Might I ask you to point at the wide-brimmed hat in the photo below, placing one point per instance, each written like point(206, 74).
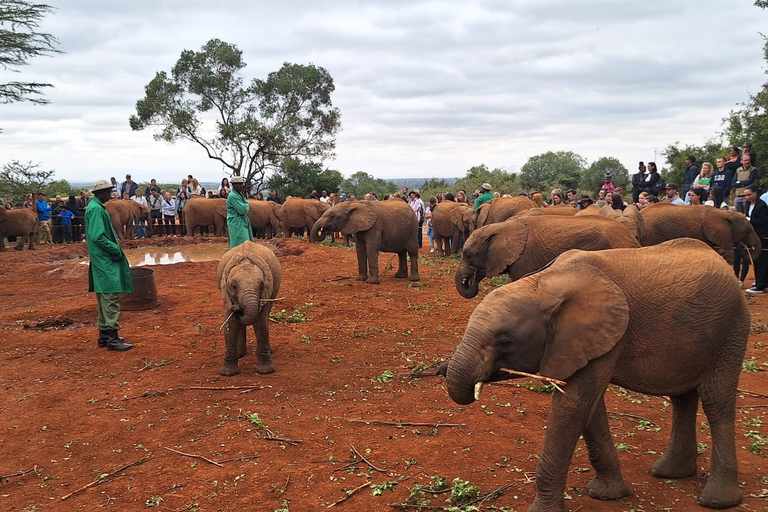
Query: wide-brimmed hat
point(101, 185)
point(486, 186)
point(237, 179)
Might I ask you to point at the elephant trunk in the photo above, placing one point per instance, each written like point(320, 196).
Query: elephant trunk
point(248, 307)
point(318, 233)
point(466, 281)
point(464, 377)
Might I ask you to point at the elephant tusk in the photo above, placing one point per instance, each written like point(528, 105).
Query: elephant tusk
point(478, 389)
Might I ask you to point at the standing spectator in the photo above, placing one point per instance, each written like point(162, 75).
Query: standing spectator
point(704, 179)
point(747, 150)
point(716, 198)
point(195, 190)
point(148, 189)
point(722, 178)
point(698, 195)
point(168, 208)
point(417, 205)
point(115, 186)
point(66, 223)
point(274, 197)
point(557, 198)
point(692, 170)
point(238, 225)
point(653, 181)
point(608, 185)
point(75, 227)
point(43, 210)
point(745, 176)
point(428, 216)
point(82, 203)
point(225, 188)
point(757, 213)
point(484, 197)
point(584, 202)
point(155, 203)
point(58, 236)
point(672, 196)
point(638, 182)
point(181, 202)
point(733, 162)
point(129, 186)
point(461, 196)
point(108, 272)
point(324, 196)
point(615, 202)
point(602, 194)
point(139, 224)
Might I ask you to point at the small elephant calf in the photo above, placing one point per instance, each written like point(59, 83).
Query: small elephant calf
point(249, 278)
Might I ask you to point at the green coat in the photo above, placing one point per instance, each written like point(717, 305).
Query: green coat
point(109, 271)
point(484, 198)
point(238, 225)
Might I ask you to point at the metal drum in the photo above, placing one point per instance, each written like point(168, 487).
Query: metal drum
point(144, 295)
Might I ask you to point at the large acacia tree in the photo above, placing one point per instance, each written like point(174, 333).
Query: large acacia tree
point(250, 128)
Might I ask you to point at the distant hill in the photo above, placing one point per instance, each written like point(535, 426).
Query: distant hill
point(418, 182)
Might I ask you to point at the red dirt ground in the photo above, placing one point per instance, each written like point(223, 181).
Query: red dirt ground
point(73, 412)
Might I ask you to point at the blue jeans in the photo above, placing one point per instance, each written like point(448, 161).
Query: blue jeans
point(140, 228)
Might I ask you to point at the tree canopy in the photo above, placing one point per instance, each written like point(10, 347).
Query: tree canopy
point(296, 178)
point(17, 179)
point(361, 183)
point(553, 169)
point(594, 177)
point(249, 129)
point(19, 42)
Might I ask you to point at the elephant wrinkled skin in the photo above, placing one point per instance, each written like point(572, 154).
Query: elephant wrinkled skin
point(202, 212)
point(264, 214)
point(525, 244)
point(722, 230)
point(296, 214)
point(503, 208)
point(249, 277)
point(582, 320)
point(378, 226)
point(449, 221)
point(21, 223)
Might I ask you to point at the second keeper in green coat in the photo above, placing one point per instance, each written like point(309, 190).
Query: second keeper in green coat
point(238, 225)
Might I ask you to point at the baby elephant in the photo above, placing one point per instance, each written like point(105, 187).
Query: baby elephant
point(249, 278)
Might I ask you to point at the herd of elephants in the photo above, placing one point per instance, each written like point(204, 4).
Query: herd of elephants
point(597, 296)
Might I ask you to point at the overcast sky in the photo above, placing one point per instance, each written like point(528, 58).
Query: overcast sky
point(425, 88)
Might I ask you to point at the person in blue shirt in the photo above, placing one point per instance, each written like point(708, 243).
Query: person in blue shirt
point(66, 223)
point(44, 218)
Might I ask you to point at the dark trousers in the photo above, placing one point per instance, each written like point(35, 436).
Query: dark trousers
point(155, 222)
point(170, 224)
point(67, 234)
point(761, 269)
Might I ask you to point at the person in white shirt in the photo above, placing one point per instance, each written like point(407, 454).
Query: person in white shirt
point(140, 223)
point(168, 208)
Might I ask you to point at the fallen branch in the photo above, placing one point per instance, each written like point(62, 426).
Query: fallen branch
point(349, 494)
point(554, 382)
point(750, 406)
point(240, 459)
point(752, 393)
point(103, 478)
point(195, 456)
point(33, 469)
point(339, 278)
point(224, 388)
point(634, 416)
point(292, 442)
point(366, 460)
point(406, 423)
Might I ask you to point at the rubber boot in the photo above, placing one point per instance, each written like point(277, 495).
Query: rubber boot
point(104, 336)
point(115, 342)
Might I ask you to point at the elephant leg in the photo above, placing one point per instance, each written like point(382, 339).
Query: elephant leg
point(414, 255)
point(234, 336)
point(32, 238)
point(402, 264)
point(455, 242)
point(362, 262)
point(718, 399)
point(372, 252)
point(264, 364)
point(679, 459)
point(608, 483)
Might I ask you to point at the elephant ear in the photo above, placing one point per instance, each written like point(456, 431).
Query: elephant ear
point(314, 209)
point(505, 245)
point(631, 218)
point(481, 215)
point(220, 207)
point(456, 216)
point(361, 217)
point(716, 227)
point(584, 324)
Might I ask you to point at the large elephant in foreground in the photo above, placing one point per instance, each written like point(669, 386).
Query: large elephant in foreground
point(264, 214)
point(300, 214)
point(123, 212)
point(720, 229)
point(378, 226)
point(591, 319)
point(524, 244)
point(202, 212)
point(21, 223)
point(451, 220)
point(249, 277)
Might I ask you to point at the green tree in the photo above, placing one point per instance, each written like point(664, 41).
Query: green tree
point(249, 129)
point(296, 178)
point(675, 156)
point(594, 177)
point(361, 183)
point(553, 169)
point(502, 181)
point(17, 179)
point(19, 42)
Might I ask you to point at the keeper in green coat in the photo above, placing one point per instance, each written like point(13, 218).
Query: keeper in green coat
point(238, 225)
point(108, 273)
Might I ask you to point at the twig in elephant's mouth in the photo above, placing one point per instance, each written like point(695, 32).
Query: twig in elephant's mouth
point(227, 320)
point(554, 382)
